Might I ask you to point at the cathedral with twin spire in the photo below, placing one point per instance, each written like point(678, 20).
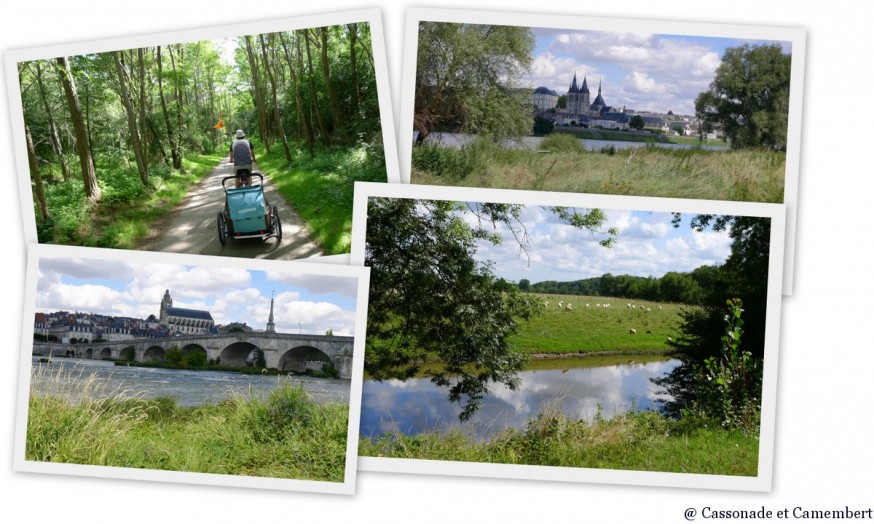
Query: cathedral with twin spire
point(578, 101)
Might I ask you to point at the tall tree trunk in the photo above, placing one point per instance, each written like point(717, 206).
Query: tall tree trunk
point(89, 177)
point(132, 126)
point(259, 96)
point(141, 71)
point(55, 138)
point(39, 191)
point(332, 97)
point(177, 157)
point(313, 93)
point(353, 62)
point(157, 140)
point(177, 146)
point(298, 101)
point(276, 117)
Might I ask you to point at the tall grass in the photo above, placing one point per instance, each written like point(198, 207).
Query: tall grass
point(643, 441)
point(321, 188)
point(755, 176)
point(284, 434)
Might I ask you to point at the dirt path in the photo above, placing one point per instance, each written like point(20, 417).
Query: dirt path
point(191, 227)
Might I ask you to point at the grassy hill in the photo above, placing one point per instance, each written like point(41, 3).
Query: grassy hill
point(599, 329)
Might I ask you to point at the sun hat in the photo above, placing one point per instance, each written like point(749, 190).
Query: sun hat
point(240, 133)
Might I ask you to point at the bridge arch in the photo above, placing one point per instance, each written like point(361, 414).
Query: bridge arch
point(237, 354)
point(295, 359)
point(105, 354)
point(154, 353)
point(88, 353)
point(195, 353)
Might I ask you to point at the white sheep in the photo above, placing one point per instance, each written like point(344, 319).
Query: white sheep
point(606, 305)
point(633, 306)
point(587, 304)
point(560, 304)
point(660, 308)
point(632, 331)
point(546, 304)
point(597, 305)
point(629, 305)
point(568, 307)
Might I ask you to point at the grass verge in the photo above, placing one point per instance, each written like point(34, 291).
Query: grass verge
point(321, 188)
point(641, 441)
point(747, 176)
point(283, 435)
point(127, 211)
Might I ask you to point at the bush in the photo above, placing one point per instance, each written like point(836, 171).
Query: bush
point(454, 163)
point(543, 126)
point(729, 385)
point(561, 143)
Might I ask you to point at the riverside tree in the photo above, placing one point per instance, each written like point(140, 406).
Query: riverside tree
point(744, 276)
point(749, 98)
point(430, 299)
point(465, 75)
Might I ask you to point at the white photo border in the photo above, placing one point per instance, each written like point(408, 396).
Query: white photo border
point(775, 212)
point(37, 252)
point(372, 16)
point(796, 88)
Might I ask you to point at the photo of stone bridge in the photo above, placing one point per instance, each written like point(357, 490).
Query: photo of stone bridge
point(282, 351)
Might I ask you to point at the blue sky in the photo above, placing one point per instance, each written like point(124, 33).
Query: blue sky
point(645, 72)
point(647, 245)
point(109, 287)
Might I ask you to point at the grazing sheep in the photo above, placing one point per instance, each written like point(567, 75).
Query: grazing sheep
point(546, 304)
point(633, 306)
point(632, 331)
point(606, 305)
point(560, 304)
point(597, 305)
point(587, 305)
point(660, 308)
point(568, 307)
point(629, 306)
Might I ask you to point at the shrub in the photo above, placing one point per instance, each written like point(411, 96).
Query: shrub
point(561, 143)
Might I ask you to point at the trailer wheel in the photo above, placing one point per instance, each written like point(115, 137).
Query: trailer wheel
point(277, 224)
point(222, 228)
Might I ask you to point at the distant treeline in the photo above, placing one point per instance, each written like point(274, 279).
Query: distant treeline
point(685, 288)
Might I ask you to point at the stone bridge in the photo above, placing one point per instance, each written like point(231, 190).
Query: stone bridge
point(283, 351)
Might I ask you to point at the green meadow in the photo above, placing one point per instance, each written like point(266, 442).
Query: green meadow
point(563, 165)
point(602, 327)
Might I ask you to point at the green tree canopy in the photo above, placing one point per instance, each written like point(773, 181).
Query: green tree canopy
point(744, 276)
point(465, 75)
point(431, 299)
point(636, 122)
point(749, 98)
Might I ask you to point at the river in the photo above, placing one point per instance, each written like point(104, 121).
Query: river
point(579, 389)
point(189, 388)
point(456, 140)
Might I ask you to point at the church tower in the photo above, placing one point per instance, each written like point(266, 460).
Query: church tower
point(271, 327)
point(166, 303)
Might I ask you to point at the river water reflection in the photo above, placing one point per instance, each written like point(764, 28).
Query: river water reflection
point(417, 405)
point(190, 388)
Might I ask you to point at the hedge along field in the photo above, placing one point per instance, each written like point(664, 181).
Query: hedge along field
point(747, 176)
point(598, 329)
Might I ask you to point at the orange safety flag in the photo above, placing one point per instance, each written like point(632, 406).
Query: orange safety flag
point(221, 124)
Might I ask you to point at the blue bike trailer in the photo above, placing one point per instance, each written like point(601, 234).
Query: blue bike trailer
point(247, 210)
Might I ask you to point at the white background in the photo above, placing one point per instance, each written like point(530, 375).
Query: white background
point(823, 452)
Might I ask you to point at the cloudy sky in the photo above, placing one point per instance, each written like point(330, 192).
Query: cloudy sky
point(317, 302)
point(645, 72)
point(647, 245)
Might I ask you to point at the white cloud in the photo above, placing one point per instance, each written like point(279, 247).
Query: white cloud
point(320, 284)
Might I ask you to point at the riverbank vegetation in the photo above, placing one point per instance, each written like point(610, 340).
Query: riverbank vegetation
point(115, 140)
point(738, 175)
point(641, 441)
point(285, 434)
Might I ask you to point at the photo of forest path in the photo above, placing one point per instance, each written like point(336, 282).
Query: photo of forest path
point(127, 149)
point(191, 227)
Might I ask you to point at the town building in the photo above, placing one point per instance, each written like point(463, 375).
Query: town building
point(182, 320)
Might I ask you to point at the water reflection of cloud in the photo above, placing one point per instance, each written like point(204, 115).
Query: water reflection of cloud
point(418, 406)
